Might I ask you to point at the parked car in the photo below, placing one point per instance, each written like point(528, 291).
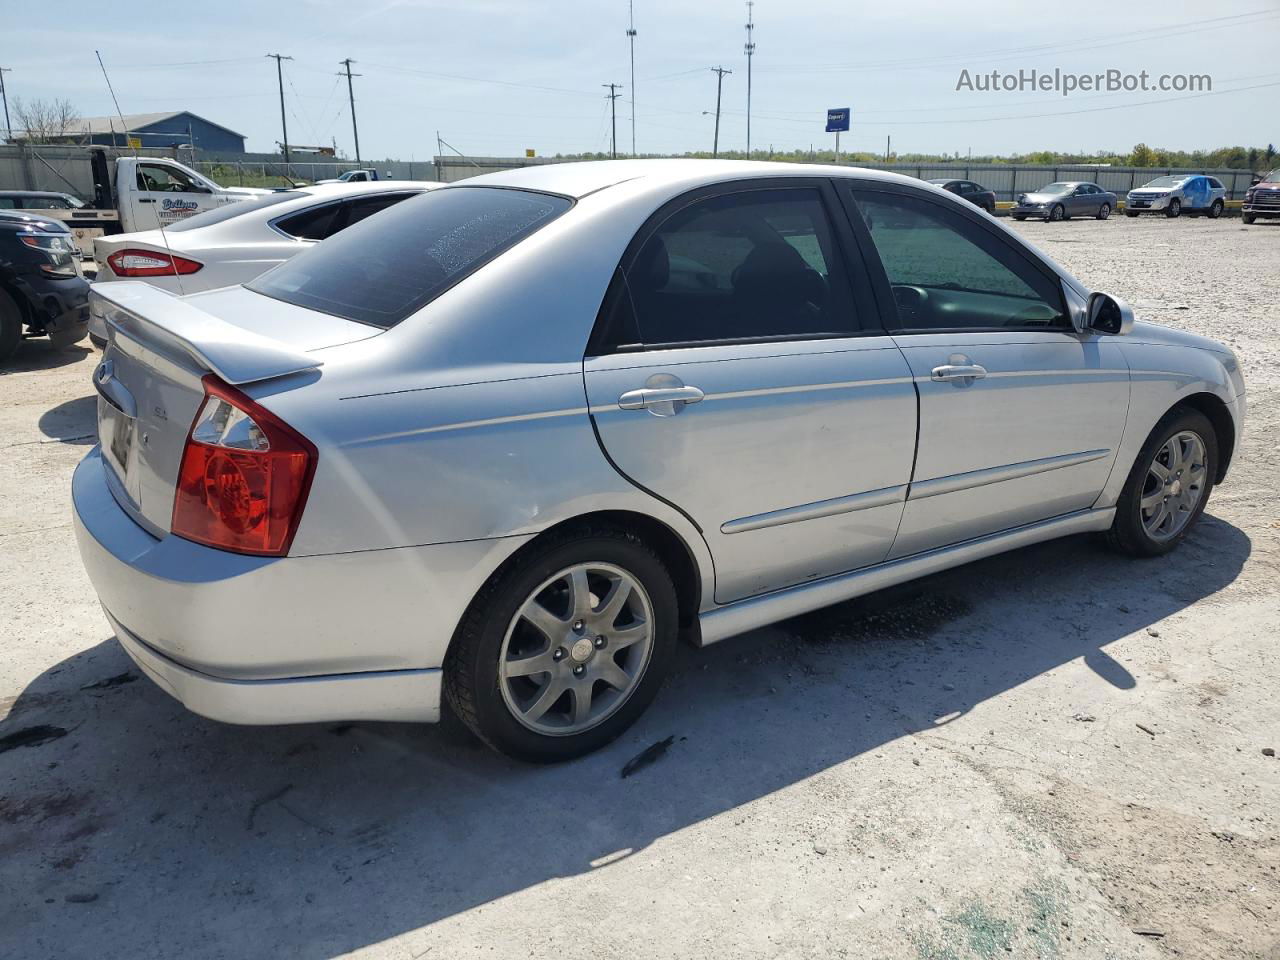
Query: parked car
point(42, 293)
point(38, 200)
point(1062, 201)
point(237, 242)
point(1175, 195)
point(510, 440)
point(975, 193)
point(1263, 198)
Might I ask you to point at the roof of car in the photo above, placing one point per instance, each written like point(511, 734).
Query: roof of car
point(18, 218)
point(580, 179)
point(355, 189)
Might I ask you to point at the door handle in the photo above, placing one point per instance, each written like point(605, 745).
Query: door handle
point(146, 199)
point(967, 372)
point(653, 398)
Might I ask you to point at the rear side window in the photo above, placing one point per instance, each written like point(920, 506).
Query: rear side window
point(326, 219)
point(743, 266)
point(382, 271)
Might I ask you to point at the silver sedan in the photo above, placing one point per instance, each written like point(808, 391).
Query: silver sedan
point(509, 442)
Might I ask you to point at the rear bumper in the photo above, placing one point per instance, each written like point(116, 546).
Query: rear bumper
point(357, 636)
point(405, 695)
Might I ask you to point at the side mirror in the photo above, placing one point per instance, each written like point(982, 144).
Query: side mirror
point(1108, 314)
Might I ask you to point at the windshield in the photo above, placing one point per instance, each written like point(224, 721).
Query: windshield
point(385, 268)
point(1056, 188)
point(1272, 177)
point(1165, 182)
point(229, 211)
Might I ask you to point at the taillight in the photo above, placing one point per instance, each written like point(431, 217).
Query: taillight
point(244, 477)
point(150, 263)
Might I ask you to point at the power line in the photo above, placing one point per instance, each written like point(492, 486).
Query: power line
point(284, 124)
point(719, 72)
point(612, 96)
point(352, 97)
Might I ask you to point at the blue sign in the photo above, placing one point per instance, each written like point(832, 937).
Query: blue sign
point(838, 120)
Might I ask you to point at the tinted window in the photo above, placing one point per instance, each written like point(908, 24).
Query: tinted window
point(229, 211)
point(357, 210)
point(8, 203)
point(760, 263)
point(382, 271)
point(1215, 183)
point(314, 223)
point(947, 272)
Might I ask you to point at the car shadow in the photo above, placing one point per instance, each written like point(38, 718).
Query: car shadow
point(39, 354)
point(74, 421)
point(315, 840)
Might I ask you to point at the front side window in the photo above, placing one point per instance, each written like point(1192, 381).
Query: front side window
point(381, 272)
point(159, 178)
point(749, 265)
point(947, 272)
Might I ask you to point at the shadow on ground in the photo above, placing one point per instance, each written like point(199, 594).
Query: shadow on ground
point(201, 839)
point(40, 354)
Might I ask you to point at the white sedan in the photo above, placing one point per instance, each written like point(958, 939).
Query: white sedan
point(237, 242)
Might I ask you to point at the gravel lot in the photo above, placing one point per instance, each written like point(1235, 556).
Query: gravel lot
point(1055, 753)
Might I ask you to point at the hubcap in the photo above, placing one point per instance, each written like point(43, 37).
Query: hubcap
point(576, 649)
point(1175, 484)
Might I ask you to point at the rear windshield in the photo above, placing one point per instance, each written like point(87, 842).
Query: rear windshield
point(236, 208)
point(389, 266)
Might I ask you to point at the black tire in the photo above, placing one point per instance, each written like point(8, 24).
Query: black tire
point(471, 682)
point(1104, 211)
point(1019, 216)
point(1215, 209)
point(10, 326)
point(1127, 533)
point(1129, 213)
point(1248, 217)
point(1057, 212)
point(1174, 209)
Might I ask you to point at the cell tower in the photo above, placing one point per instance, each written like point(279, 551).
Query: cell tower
point(631, 36)
point(750, 48)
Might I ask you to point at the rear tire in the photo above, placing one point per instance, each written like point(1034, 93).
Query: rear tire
point(527, 611)
point(1104, 211)
point(1177, 490)
point(1174, 209)
point(10, 326)
point(1215, 210)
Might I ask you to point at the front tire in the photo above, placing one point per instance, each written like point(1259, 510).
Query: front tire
point(1248, 217)
point(1019, 216)
point(1104, 211)
point(1058, 212)
point(562, 650)
point(1168, 486)
point(1174, 209)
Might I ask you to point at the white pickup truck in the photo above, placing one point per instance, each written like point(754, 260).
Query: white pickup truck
point(131, 194)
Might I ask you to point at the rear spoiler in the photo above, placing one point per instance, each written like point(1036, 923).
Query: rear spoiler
point(234, 353)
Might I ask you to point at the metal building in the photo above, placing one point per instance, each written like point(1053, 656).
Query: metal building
point(179, 128)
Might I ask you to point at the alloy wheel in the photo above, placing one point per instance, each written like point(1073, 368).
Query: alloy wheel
point(1175, 484)
point(576, 649)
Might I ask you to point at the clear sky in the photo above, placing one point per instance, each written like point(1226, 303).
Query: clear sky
point(496, 77)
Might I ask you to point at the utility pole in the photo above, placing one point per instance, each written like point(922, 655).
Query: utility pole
point(631, 36)
point(719, 72)
point(613, 117)
point(352, 98)
point(284, 126)
point(887, 141)
point(750, 48)
point(8, 130)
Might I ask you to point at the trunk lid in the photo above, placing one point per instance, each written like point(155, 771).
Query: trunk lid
point(150, 381)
